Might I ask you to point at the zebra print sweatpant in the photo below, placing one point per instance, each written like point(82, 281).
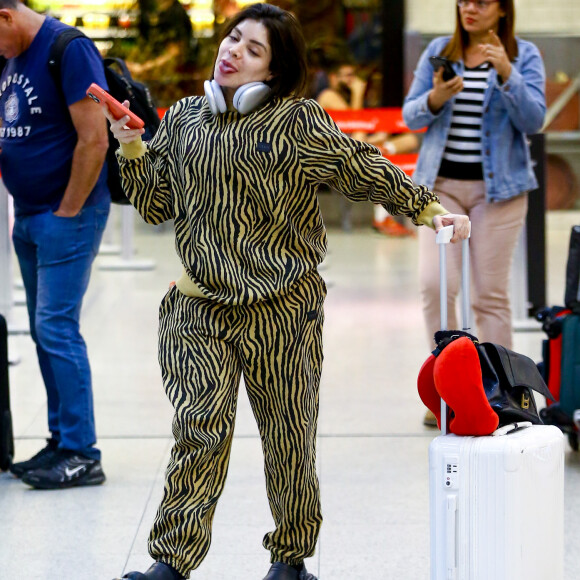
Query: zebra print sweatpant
point(204, 347)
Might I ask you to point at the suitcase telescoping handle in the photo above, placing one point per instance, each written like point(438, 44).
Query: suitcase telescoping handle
point(443, 238)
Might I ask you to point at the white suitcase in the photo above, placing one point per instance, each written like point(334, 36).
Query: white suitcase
point(496, 502)
point(497, 506)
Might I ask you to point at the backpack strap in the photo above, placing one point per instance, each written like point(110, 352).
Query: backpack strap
point(119, 62)
point(57, 51)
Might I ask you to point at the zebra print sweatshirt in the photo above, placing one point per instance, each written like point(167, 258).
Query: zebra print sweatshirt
point(241, 190)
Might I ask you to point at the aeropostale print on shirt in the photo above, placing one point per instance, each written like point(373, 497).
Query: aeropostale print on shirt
point(37, 136)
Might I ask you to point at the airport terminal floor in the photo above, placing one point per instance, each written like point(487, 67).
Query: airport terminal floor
point(372, 445)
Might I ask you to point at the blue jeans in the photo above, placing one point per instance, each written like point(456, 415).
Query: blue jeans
point(55, 256)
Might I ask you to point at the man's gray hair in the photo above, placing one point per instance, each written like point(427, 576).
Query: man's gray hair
point(11, 4)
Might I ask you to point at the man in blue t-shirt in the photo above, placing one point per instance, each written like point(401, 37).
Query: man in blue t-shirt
point(53, 143)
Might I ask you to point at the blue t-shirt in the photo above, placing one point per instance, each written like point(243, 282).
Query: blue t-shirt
point(37, 135)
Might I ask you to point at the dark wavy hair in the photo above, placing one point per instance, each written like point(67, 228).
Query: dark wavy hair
point(460, 39)
point(287, 45)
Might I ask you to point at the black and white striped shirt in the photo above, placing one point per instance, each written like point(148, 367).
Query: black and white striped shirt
point(462, 157)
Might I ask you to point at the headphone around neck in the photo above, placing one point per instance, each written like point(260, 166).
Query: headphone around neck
point(247, 98)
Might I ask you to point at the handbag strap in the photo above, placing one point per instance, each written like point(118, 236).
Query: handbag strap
point(445, 337)
point(511, 428)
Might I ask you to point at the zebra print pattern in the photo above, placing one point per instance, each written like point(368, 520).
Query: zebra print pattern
point(242, 191)
point(204, 346)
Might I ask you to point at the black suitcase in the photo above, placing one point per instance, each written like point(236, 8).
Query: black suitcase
point(560, 366)
point(6, 436)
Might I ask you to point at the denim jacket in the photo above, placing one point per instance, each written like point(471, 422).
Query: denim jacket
point(511, 110)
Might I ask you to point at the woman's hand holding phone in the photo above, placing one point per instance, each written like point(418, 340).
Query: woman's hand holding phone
point(121, 131)
point(125, 125)
point(442, 90)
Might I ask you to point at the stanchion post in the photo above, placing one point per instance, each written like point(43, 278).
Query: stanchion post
point(5, 254)
point(126, 260)
point(528, 287)
point(108, 246)
point(536, 227)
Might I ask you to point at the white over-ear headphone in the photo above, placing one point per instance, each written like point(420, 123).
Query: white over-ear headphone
point(246, 98)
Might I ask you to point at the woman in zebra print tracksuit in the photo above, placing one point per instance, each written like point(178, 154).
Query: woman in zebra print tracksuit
point(241, 189)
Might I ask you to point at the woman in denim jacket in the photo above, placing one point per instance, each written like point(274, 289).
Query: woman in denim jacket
point(475, 154)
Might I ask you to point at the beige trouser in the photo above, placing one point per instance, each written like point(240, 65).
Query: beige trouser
point(495, 228)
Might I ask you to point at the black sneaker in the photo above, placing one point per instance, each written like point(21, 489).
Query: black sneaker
point(41, 460)
point(158, 571)
point(281, 571)
point(69, 469)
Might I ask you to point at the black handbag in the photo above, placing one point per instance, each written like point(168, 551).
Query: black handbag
point(509, 379)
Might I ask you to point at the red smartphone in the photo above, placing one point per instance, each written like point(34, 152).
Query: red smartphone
point(118, 110)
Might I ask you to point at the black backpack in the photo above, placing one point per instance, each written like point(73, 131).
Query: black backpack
point(123, 87)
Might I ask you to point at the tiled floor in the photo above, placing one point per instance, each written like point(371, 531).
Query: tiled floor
point(372, 446)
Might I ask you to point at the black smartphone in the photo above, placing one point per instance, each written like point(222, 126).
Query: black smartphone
point(440, 61)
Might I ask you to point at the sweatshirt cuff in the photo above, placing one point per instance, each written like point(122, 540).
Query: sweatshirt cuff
point(426, 216)
point(133, 150)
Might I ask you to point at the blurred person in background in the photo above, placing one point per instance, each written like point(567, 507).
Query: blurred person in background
point(475, 155)
point(347, 91)
point(165, 42)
